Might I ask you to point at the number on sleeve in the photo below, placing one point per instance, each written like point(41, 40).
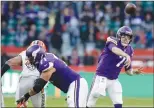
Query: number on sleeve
point(118, 64)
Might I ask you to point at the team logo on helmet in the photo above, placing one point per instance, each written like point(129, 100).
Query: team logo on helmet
point(40, 43)
point(35, 53)
point(125, 30)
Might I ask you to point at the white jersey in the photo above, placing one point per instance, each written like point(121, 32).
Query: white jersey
point(28, 69)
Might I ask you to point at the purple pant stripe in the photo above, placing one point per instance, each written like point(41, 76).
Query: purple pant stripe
point(77, 92)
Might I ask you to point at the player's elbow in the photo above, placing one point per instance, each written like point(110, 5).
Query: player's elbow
point(39, 85)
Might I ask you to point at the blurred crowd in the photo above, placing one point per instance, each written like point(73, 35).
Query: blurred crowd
point(75, 30)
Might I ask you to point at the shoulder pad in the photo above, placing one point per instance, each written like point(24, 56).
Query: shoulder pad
point(49, 66)
point(112, 39)
point(45, 65)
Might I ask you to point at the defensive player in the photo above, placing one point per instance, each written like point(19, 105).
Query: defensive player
point(2, 99)
point(59, 74)
point(28, 76)
point(116, 54)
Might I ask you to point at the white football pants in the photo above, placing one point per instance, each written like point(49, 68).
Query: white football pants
point(2, 100)
point(25, 84)
point(99, 87)
point(77, 93)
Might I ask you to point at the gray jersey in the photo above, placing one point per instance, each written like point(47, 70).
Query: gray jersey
point(27, 68)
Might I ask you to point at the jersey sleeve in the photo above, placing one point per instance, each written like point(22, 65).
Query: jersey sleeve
point(131, 52)
point(45, 65)
point(111, 42)
point(131, 55)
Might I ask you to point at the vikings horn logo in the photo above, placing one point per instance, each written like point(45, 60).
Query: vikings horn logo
point(35, 52)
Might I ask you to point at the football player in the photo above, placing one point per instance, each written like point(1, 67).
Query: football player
point(116, 54)
point(28, 76)
point(59, 74)
point(2, 99)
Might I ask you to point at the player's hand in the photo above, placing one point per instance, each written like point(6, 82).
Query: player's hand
point(128, 61)
point(138, 71)
point(23, 98)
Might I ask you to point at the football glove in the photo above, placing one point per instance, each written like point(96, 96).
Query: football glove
point(23, 99)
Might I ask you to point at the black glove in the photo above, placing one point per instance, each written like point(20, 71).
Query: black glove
point(23, 98)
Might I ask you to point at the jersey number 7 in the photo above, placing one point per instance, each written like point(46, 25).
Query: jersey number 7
point(123, 59)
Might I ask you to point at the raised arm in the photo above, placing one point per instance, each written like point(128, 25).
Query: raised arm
point(16, 61)
point(112, 46)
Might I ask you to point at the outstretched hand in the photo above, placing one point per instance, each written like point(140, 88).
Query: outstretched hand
point(23, 99)
point(138, 71)
point(128, 61)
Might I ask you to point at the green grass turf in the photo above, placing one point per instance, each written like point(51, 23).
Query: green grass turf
point(105, 101)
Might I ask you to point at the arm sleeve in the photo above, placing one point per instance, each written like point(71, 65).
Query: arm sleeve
point(111, 45)
point(111, 42)
point(39, 84)
point(45, 65)
point(5, 67)
point(131, 55)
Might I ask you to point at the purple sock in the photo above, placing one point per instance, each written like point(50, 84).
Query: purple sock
point(117, 105)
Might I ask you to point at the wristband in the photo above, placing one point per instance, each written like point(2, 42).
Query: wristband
point(27, 95)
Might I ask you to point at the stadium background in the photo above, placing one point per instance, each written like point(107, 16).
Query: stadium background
point(76, 32)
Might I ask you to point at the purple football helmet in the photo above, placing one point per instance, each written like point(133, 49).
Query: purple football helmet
point(124, 31)
point(35, 53)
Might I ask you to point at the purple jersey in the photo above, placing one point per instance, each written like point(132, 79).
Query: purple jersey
point(110, 64)
point(63, 76)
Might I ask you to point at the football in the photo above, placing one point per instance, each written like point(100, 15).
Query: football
point(130, 8)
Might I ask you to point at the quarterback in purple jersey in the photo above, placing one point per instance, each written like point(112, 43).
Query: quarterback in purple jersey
point(116, 54)
point(59, 74)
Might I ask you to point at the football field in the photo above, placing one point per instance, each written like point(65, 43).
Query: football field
point(102, 102)
point(136, 94)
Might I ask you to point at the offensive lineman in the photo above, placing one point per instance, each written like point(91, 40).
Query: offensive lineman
point(116, 54)
point(59, 74)
point(28, 76)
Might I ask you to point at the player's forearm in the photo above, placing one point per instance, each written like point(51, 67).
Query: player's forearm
point(118, 52)
point(39, 85)
point(32, 92)
point(16, 61)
